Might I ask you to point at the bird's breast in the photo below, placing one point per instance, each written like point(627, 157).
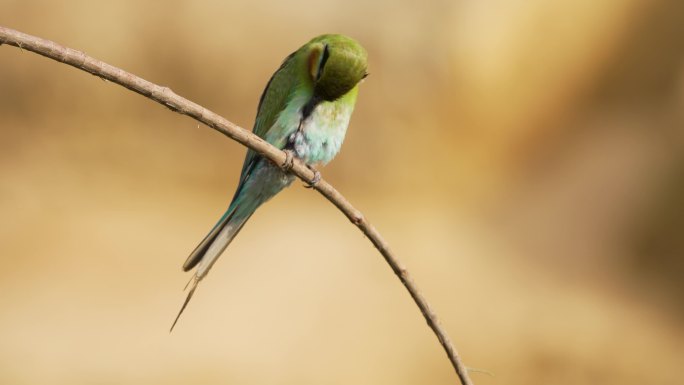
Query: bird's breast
point(321, 134)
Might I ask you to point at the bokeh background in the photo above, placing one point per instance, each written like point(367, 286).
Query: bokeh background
point(524, 159)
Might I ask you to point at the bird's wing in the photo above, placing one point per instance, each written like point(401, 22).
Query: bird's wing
point(273, 100)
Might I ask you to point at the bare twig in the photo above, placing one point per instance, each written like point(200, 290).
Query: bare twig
point(168, 98)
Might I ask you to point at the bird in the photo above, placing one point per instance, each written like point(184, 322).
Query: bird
point(305, 111)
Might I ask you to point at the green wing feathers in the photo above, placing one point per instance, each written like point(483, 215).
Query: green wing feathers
point(273, 100)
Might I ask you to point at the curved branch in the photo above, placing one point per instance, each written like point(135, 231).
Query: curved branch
point(168, 98)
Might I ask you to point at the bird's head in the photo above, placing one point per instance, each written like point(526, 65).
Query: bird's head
point(335, 64)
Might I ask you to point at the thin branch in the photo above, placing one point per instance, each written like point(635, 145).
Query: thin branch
point(168, 98)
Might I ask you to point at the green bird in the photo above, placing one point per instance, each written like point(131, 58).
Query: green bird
point(304, 110)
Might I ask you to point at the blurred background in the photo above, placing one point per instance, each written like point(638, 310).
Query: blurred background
point(524, 159)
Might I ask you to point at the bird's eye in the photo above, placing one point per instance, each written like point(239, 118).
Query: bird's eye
point(324, 59)
point(317, 61)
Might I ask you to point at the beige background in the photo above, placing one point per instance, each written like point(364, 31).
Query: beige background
point(524, 159)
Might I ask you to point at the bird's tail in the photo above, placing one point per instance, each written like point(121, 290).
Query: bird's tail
point(209, 250)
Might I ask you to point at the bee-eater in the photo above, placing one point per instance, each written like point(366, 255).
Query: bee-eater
point(304, 110)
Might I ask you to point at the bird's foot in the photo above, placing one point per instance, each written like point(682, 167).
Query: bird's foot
point(289, 161)
point(317, 177)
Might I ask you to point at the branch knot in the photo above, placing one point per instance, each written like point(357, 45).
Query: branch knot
point(357, 218)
